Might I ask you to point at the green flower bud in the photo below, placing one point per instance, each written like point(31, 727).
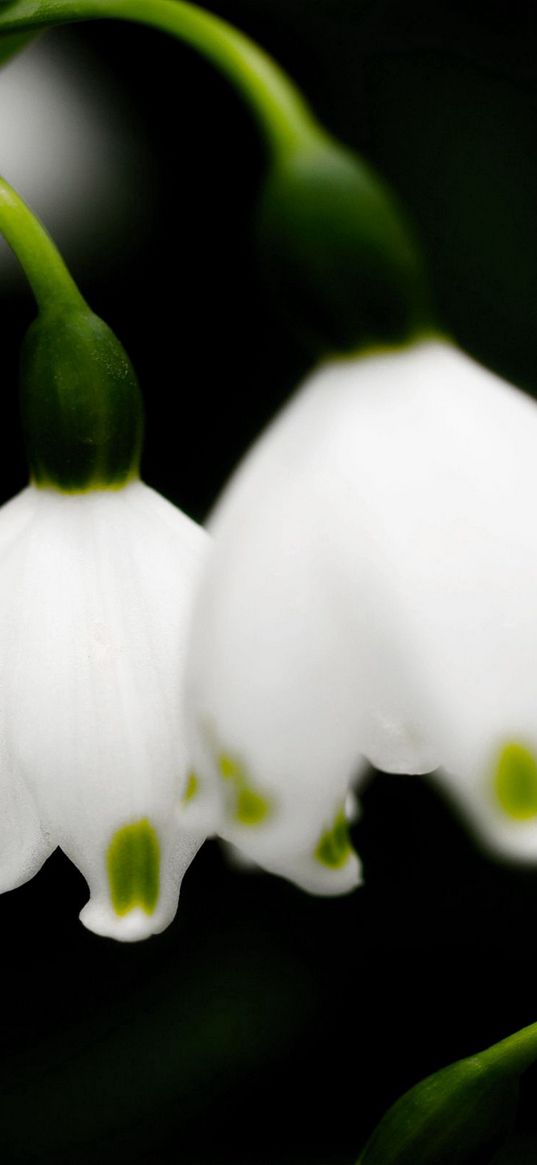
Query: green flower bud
point(458, 1116)
point(81, 403)
point(337, 251)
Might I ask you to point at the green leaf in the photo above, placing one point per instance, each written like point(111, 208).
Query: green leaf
point(458, 1116)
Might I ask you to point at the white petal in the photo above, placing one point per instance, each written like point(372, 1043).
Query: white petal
point(95, 599)
point(371, 597)
point(23, 844)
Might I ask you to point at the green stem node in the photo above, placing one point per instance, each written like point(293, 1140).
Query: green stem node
point(81, 404)
point(80, 399)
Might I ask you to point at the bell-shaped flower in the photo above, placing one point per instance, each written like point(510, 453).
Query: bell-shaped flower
point(97, 578)
point(371, 600)
point(95, 597)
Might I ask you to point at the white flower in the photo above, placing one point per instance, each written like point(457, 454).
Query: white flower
point(372, 597)
point(95, 596)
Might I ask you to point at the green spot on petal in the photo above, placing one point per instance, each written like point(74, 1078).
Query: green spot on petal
point(515, 782)
point(230, 769)
point(334, 846)
point(249, 807)
point(192, 786)
point(133, 864)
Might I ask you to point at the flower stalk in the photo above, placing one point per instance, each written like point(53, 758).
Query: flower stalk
point(51, 283)
point(333, 243)
point(81, 403)
point(281, 111)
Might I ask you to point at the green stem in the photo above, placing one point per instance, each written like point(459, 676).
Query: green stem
point(281, 111)
point(42, 263)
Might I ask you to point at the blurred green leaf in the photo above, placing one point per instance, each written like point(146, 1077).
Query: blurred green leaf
point(458, 1116)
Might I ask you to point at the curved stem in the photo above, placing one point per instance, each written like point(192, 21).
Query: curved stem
point(281, 111)
point(47, 274)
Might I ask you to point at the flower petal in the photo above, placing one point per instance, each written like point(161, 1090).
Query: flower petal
point(23, 844)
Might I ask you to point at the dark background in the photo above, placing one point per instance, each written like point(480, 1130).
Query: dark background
point(266, 1027)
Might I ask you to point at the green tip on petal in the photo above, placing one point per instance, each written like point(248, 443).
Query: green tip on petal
point(515, 782)
point(192, 786)
point(249, 807)
point(230, 769)
point(334, 846)
point(133, 863)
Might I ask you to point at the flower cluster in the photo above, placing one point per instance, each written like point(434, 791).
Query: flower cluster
point(366, 597)
point(363, 594)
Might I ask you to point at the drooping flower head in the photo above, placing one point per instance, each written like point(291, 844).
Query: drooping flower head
point(371, 600)
point(97, 576)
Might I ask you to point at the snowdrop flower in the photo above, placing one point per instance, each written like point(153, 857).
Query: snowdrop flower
point(95, 596)
point(371, 600)
point(97, 577)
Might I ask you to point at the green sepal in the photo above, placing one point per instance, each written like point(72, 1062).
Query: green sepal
point(81, 403)
point(458, 1116)
point(336, 249)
